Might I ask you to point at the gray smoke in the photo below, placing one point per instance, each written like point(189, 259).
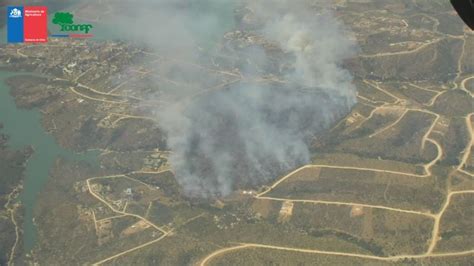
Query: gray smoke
point(289, 87)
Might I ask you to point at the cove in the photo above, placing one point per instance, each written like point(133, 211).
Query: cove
point(24, 129)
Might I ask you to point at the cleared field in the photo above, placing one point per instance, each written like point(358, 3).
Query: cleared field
point(380, 119)
point(222, 229)
point(373, 94)
point(122, 193)
point(120, 234)
point(173, 250)
point(263, 256)
point(164, 180)
point(364, 187)
point(172, 215)
point(436, 60)
point(381, 232)
point(400, 140)
point(268, 256)
point(461, 181)
point(124, 160)
point(345, 159)
point(456, 226)
point(96, 95)
point(411, 92)
point(444, 104)
point(363, 109)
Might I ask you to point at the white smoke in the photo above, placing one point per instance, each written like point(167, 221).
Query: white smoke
point(247, 133)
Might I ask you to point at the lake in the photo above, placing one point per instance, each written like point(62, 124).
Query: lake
point(24, 129)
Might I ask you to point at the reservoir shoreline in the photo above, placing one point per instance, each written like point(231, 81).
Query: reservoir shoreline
point(24, 128)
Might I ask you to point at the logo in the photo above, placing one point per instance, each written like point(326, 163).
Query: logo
point(66, 21)
point(27, 24)
point(15, 13)
point(30, 24)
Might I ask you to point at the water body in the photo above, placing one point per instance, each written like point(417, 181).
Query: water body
point(24, 129)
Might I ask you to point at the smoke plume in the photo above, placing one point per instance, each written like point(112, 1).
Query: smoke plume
point(285, 85)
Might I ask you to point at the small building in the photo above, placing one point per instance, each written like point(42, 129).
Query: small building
point(286, 211)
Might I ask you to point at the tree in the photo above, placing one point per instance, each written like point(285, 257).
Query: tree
point(63, 18)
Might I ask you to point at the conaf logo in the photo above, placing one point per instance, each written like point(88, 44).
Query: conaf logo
point(65, 20)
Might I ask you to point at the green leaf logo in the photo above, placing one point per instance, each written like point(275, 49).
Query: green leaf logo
point(61, 18)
